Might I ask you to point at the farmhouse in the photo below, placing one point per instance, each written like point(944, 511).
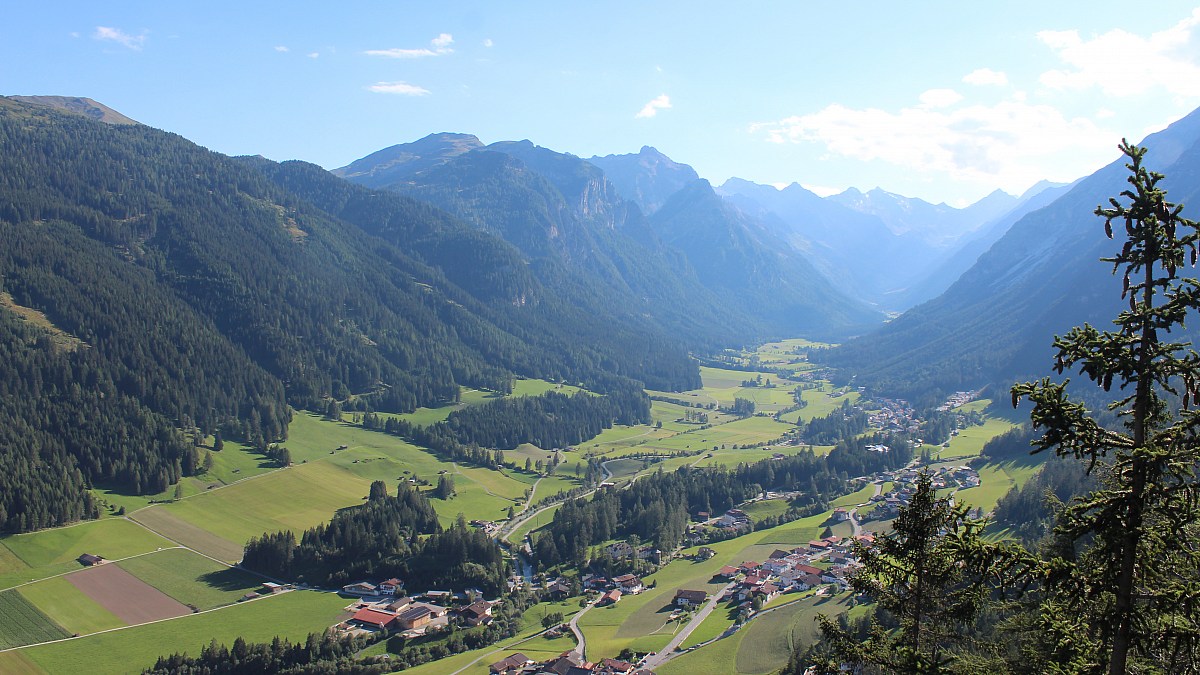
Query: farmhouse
point(610, 598)
point(360, 588)
point(88, 560)
point(686, 598)
point(629, 583)
point(390, 587)
point(415, 617)
point(373, 619)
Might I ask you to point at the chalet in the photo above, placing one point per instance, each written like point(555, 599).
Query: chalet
point(438, 596)
point(686, 598)
point(360, 588)
point(749, 566)
point(818, 545)
point(564, 664)
point(510, 664)
point(477, 613)
point(415, 617)
point(272, 587)
point(88, 560)
point(840, 514)
point(390, 587)
point(809, 569)
point(610, 598)
point(373, 619)
point(629, 583)
point(704, 553)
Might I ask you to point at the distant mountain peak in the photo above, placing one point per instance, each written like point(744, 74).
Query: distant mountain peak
point(79, 105)
point(402, 161)
point(648, 178)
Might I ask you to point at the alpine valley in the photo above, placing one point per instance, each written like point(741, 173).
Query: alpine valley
point(464, 408)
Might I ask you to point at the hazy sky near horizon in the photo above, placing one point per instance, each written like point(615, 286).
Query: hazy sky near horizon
point(945, 101)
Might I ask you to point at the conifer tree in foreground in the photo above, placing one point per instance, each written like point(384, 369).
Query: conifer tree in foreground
point(1123, 596)
point(931, 574)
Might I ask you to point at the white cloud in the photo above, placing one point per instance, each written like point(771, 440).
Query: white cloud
point(281, 48)
point(314, 55)
point(1121, 63)
point(119, 36)
point(488, 42)
point(651, 109)
point(986, 76)
point(940, 98)
point(1010, 145)
point(401, 88)
point(441, 45)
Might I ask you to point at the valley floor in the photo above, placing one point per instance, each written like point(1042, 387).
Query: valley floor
point(170, 582)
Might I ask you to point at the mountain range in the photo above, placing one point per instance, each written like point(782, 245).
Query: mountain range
point(151, 290)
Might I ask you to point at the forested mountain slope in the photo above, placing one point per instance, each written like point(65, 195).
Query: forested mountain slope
point(997, 322)
point(150, 286)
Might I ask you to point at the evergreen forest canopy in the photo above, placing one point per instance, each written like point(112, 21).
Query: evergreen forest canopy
point(178, 290)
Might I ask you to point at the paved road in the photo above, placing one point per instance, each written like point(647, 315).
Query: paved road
point(573, 624)
point(666, 653)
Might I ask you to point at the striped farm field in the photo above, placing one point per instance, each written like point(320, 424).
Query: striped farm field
point(21, 623)
point(191, 578)
point(63, 602)
point(290, 615)
point(46, 553)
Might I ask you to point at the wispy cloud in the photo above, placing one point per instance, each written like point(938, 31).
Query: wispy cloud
point(661, 102)
point(488, 42)
point(281, 48)
point(401, 88)
point(1011, 144)
point(985, 77)
point(441, 46)
point(1121, 63)
point(120, 37)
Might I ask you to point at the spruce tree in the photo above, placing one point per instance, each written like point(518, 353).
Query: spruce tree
point(1122, 595)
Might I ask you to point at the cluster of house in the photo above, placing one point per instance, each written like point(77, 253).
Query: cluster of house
point(957, 399)
point(735, 519)
point(822, 561)
point(612, 589)
point(381, 609)
point(895, 415)
point(567, 663)
point(623, 549)
point(905, 484)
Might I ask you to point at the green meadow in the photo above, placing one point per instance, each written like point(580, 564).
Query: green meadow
point(46, 553)
point(69, 607)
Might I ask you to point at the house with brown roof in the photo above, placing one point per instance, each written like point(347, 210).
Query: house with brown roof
point(511, 663)
point(686, 598)
point(476, 613)
point(88, 560)
point(610, 598)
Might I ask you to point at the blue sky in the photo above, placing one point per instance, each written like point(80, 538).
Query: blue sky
point(946, 101)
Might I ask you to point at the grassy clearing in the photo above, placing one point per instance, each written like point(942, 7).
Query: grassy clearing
point(166, 522)
point(766, 508)
point(192, 579)
point(22, 623)
point(796, 532)
point(540, 520)
point(291, 615)
point(69, 607)
point(971, 440)
point(997, 479)
point(113, 539)
point(854, 498)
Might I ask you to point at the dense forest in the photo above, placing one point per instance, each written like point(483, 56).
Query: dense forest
point(327, 654)
point(658, 507)
point(388, 536)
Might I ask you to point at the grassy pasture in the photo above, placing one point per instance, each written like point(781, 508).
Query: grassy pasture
point(69, 607)
point(42, 554)
point(22, 623)
point(192, 579)
point(291, 615)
